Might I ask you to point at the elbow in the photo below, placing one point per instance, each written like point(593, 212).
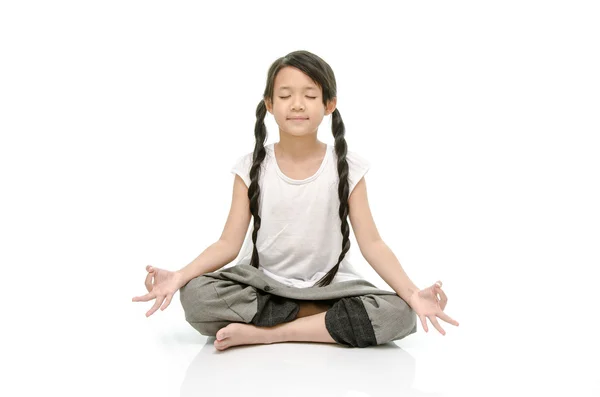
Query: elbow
point(233, 249)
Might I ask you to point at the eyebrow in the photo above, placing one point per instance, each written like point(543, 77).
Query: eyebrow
point(308, 87)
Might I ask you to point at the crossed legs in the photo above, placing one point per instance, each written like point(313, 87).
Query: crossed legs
point(309, 326)
point(215, 307)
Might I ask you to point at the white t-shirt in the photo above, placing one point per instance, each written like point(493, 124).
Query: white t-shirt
point(300, 236)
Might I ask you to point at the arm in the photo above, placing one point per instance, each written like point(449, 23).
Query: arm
point(211, 259)
point(372, 247)
point(384, 262)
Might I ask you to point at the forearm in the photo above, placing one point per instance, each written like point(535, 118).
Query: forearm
point(384, 262)
point(211, 259)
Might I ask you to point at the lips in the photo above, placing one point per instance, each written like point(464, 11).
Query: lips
point(297, 118)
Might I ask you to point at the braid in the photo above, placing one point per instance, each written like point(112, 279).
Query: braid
point(260, 134)
point(322, 74)
point(341, 149)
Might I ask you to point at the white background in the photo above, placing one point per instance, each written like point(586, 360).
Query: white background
point(120, 121)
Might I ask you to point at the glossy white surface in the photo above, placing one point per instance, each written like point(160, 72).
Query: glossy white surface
point(478, 358)
point(113, 349)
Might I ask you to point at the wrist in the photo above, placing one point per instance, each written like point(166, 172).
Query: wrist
point(181, 277)
point(413, 293)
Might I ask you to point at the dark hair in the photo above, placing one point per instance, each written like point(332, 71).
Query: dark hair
point(322, 74)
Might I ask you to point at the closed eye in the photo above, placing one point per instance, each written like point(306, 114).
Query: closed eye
point(311, 97)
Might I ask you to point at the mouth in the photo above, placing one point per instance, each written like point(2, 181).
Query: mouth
point(297, 118)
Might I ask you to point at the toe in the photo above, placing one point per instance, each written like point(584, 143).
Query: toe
point(220, 345)
point(222, 334)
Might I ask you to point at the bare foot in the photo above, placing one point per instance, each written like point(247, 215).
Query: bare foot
point(242, 334)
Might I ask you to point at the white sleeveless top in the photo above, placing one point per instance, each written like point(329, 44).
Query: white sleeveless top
point(300, 236)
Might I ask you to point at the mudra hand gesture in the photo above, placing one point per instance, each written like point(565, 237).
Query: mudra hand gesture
point(430, 303)
point(161, 285)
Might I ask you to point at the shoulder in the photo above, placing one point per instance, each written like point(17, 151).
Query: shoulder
point(358, 166)
point(243, 163)
point(242, 166)
point(354, 159)
point(357, 159)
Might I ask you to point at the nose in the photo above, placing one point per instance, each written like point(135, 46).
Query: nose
point(297, 104)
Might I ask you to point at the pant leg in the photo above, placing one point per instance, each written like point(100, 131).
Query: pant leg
point(210, 304)
point(369, 320)
point(213, 301)
point(273, 309)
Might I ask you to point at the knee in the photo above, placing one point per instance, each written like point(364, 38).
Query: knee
point(379, 319)
point(210, 303)
point(195, 296)
point(348, 323)
point(396, 321)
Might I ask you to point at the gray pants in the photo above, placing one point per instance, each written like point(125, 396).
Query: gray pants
point(360, 314)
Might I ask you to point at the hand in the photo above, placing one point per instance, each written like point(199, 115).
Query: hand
point(162, 285)
point(427, 304)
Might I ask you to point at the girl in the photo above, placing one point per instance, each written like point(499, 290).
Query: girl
point(293, 282)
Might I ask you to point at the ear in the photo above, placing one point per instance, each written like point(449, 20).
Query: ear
point(330, 106)
point(269, 105)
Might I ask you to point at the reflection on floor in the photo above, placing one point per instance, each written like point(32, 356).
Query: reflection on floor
point(301, 369)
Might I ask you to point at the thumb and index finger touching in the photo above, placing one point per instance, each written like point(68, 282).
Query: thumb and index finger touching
point(148, 281)
point(443, 299)
point(149, 286)
point(163, 300)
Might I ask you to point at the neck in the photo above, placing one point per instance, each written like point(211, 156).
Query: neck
point(298, 148)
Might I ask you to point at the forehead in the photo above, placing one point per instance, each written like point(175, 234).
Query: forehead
point(293, 79)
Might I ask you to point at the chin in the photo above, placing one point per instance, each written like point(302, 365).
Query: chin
point(296, 133)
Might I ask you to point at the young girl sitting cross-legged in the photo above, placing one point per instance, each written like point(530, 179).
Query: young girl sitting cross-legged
point(293, 281)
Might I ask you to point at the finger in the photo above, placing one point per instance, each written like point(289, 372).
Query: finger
point(434, 288)
point(442, 295)
point(424, 323)
point(438, 283)
point(167, 302)
point(148, 282)
point(144, 298)
point(442, 305)
point(444, 298)
point(447, 318)
point(430, 293)
point(427, 292)
point(159, 301)
point(436, 324)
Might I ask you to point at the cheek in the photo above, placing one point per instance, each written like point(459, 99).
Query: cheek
point(278, 113)
point(318, 111)
point(278, 109)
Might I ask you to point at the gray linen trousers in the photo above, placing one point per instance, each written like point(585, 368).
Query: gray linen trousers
point(360, 314)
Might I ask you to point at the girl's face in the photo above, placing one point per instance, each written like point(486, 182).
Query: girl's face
point(297, 103)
